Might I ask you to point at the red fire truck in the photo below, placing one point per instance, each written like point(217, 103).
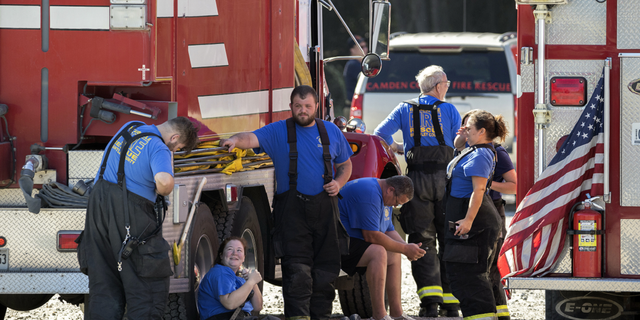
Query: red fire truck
point(564, 46)
point(73, 72)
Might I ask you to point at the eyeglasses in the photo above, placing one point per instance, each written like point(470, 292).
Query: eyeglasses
point(448, 83)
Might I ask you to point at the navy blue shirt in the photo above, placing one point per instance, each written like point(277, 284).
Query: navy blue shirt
point(401, 118)
point(273, 141)
point(146, 157)
point(503, 166)
point(350, 73)
point(362, 208)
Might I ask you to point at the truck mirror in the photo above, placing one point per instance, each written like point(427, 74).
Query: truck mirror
point(371, 65)
point(380, 29)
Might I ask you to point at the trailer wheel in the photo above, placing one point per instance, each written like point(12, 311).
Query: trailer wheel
point(24, 302)
point(203, 247)
point(358, 299)
point(244, 223)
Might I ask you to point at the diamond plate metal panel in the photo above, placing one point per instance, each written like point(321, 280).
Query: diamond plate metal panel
point(629, 114)
point(577, 22)
point(13, 198)
point(31, 239)
point(564, 261)
point(44, 283)
point(84, 164)
point(564, 118)
point(527, 78)
point(629, 246)
point(575, 284)
point(628, 24)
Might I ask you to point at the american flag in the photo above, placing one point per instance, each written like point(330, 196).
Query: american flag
point(537, 232)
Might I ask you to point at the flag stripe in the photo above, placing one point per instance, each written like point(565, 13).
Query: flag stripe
point(537, 232)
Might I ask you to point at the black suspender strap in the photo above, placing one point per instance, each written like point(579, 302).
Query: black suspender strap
point(326, 154)
point(103, 165)
point(435, 120)
point(293, 154)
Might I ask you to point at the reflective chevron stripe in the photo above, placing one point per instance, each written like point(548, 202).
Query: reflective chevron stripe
point(484, 316)
point(433, 291)
point(449, 298)
point(503, 311)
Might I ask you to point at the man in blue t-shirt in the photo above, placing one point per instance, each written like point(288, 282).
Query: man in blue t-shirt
point(118, 210)
point(366, 213)
point(308, 237)
point(429, 272)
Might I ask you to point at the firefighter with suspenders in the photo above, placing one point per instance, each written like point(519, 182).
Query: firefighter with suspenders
point(309, 236)
point(121, 248)
point(427, 154)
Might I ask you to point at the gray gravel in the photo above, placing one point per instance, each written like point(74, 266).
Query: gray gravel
point(524, 304)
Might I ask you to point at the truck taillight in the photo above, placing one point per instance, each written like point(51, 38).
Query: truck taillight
point(232, 192)
point(67, 240)
point(356, 106)
point(568, 91)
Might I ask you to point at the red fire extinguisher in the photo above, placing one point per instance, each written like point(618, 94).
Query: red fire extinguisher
point(587, 242)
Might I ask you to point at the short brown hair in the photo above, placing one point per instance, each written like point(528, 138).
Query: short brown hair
point(303, 91)
point(187, 131)
point(402, 185)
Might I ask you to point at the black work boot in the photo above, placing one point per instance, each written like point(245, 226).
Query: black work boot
point(429, 310)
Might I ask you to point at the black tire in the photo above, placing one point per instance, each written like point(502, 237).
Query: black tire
point(24, 302)
point(244, 223)
point(3, 311)
point(203, 247)
point(357, 300)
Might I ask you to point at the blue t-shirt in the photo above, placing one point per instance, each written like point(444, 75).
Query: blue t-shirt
point(401, 118)
point(273, 141)
point(219, 281)
point(503, 166)
point(478, 163)
point(146, 157)
point(362, 208)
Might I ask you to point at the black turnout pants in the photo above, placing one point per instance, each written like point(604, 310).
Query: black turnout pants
point(307, 232)
point(143, 283)
point(468, 260)
point(494, 274)
point(430, 272)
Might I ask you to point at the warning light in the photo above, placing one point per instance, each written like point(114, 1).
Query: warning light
point(568, 91)
point(67, 240)
point(3, 241)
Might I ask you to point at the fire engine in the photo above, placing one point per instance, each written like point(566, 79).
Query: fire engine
point(73, 72)
point(565, 47)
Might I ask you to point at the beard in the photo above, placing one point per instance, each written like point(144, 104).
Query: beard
point(303, 122)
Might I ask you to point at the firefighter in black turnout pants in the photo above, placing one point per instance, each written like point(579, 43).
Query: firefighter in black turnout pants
point(427, 155)
point(473, 221)
point(308, 235)
point(121, 248)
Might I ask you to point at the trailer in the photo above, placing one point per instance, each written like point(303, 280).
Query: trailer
point(73, 72)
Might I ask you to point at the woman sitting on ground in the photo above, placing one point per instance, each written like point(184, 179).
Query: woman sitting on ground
point(227, 286)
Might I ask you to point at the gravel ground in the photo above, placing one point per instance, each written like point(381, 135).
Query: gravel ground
point(525, 304)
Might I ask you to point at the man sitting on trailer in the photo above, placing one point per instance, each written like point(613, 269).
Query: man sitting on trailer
point(121, 248)
point(308, 236)
point(374, 245)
